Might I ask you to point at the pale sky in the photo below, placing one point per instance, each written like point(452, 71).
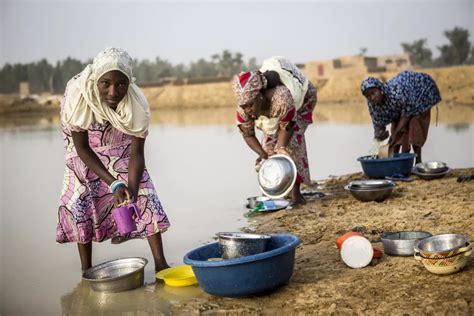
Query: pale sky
point(185, 31)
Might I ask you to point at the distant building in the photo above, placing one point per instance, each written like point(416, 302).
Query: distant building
point(323, 69)
point(395, 62)
point(24, 88)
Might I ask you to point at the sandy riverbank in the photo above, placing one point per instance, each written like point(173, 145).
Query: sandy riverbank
point(323, 284)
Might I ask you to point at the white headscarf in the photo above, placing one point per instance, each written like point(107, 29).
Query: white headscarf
point(290, 76)
point(83, 106)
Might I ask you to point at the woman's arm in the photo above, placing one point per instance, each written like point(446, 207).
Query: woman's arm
point(89, 157)
point(284, 136)
point(92, 161)
point(254, 144)
point(402, 124)
point(136, 166)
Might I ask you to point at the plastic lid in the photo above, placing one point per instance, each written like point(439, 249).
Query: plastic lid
point(357, 252)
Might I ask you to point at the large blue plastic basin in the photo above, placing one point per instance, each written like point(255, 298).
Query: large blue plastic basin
point(381, 168)
point(245, 275)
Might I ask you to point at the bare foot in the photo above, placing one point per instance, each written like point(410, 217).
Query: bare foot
point(160, 267)
point(298, 199)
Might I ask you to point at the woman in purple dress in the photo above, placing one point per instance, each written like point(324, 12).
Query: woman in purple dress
point(104, 119)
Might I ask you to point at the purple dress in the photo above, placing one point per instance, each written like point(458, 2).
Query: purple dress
point(86, 202)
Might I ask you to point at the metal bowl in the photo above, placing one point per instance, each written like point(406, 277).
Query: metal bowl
point(370, 184)
point(441, 244)
point(367, 195)
point(277, 176)
point(252, 201)
point(402, 243)
point(429, 176)
point(431, 167)
point(235, 245)
point(116, 275)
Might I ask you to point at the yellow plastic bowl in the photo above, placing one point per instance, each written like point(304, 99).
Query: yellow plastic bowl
point(178, 276)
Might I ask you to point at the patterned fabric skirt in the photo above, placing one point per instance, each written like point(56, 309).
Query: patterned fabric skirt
point(416, 133)
point(296, 148)
point(86, 203)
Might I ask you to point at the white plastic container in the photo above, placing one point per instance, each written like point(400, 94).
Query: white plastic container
point(357, 252)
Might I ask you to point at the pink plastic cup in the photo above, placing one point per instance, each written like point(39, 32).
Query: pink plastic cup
point(123, 218)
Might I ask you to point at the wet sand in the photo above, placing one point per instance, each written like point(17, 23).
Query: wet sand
point(323, 284)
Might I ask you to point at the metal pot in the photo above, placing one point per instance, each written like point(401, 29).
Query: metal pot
point(235, 245)
point(402, 243)
point(116, 275)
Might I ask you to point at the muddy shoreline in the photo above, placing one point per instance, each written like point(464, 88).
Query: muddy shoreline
point(323, 284)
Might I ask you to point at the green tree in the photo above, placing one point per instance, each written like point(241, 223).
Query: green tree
point(202, 69)
point(419, 54)
point(457, 51)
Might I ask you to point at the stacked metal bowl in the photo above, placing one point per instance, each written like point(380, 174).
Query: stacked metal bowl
point(431, 170)
point(370, 190)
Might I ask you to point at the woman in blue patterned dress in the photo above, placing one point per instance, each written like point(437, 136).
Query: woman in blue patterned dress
point(405, 102)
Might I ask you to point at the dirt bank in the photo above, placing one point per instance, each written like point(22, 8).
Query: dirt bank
point(455, 83)
point(323, 284)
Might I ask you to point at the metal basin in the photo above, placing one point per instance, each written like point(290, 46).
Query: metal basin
point(367, 195)
point(116, 275)
point(429, 176)
point(402, 243)
point(441, 244)
point(432, 167)
point(277, 176)
point(370, 184)
point(235, 245)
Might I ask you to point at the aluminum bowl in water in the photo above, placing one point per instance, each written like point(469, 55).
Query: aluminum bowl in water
point(368, 195)
point(402, 243)
point(370, 184)
point(116, 275)
point(431, 167)
point(277, 176)
point(440, 245)
point(235, 245)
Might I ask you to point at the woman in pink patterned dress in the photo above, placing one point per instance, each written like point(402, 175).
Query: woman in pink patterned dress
point(280, 101)
point(105, 118)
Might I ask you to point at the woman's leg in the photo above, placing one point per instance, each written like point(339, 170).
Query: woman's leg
point(417, 150)
point(296, 197)
point(156, 246)
point(85, 253)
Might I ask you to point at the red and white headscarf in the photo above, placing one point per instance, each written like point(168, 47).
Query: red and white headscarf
point(247, 86)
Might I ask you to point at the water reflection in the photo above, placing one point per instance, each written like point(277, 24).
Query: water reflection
point(458, 127)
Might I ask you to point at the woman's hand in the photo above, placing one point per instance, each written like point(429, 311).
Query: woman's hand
point(263, 156)
point(282, 151)
point(122, 194)
point(381, 134)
